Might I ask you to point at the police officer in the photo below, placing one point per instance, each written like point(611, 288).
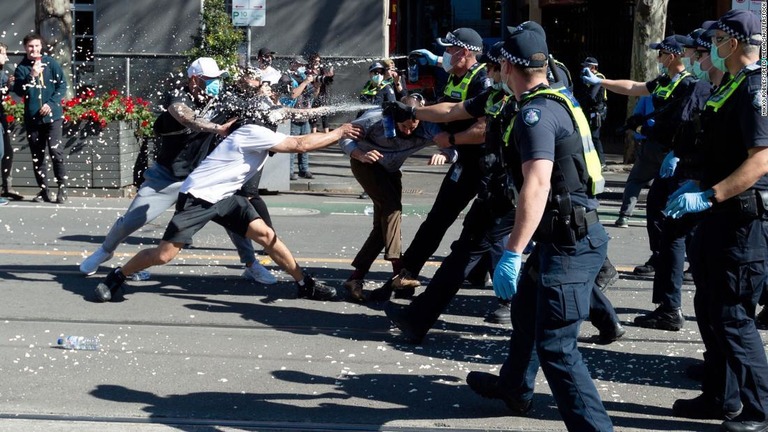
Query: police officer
point(549, 147)
point(593, 100)
point(377, 90)
point(730, 247)
point(467, 79)
point(491, 215)
point(670, 91)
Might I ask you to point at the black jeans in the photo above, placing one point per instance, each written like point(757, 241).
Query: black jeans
point(459, 186)
point(47, 135)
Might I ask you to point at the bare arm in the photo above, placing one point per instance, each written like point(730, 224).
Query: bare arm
point(187, 117)
point(531, 204)
point(474, 135)
point(745, 176)
point(298, 90)
point(626, 87)
point(306, 143)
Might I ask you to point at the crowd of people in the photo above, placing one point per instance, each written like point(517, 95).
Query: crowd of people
point(525, 155)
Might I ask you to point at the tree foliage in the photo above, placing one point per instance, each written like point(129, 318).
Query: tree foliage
point(218, 38)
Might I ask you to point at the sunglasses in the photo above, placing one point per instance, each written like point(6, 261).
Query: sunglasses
point(661, 53)
point(718, 39)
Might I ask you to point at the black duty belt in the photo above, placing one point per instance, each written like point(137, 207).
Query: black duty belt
point(750, 204)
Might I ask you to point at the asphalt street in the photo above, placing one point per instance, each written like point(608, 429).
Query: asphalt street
point(198, 348)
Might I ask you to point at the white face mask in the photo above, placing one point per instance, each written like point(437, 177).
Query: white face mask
point(507, 89)
point(687, 63)
point(377, 79)
point(447, 66)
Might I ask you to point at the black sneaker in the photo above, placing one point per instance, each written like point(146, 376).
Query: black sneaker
point(606, 277)
point(107, 288)
point(487, 386)
point(662, 318)
point(646, 269)
point(702, 407)
point(42, 196)
point(761, 320)
point(12, 195)
point(61, 195)
point(611, 335)
point(315, 290)
point(400, 318)
point(502, 314)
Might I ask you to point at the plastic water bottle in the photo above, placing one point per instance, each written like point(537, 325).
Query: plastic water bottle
point(413, 69)
point(79, 343)
point(141, 275)
point(368, 211)
point(389, 126)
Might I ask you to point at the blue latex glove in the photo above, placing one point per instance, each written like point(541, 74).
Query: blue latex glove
point(686, 187)
point(669, 165)
point(505, 275)
point(691, 202)
point(589, 78)
point(425, 57)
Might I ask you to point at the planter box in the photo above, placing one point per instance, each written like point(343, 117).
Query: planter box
point(94, 157)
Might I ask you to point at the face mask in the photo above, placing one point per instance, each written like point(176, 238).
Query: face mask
point(506, 88)
point(686, 63)
point(447, 66)
point(377, 79)
point(497, 86)
point(699, 73)
point(212, 87)
point(663, 70)
point(717, 61)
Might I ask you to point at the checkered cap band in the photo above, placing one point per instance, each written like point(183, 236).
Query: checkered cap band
point(704, 42)
point(673, 50)
point(453, 40)
point(516, 60)
point(736, 35)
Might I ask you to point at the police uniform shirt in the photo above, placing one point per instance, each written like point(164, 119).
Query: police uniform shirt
point(668, 119)
point(477, 85)
point(537, 127)
point(736, 128)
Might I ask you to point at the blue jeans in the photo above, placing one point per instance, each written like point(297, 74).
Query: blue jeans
point(157, 194)
point(300, 128)
point(646, 168)
point(547, 312)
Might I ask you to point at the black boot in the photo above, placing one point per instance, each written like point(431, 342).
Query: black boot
point(402, 319)
point(61, 195)
point(663, 318)
point(9, 193)
point(109, 287)
point(487, 386)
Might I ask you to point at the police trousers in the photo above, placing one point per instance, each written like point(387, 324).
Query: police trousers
point(729, 259)
point(547, 312)
point(459, 186)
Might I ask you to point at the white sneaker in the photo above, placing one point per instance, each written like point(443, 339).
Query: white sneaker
point(260, 274)
point(140, 275)
point(92, 263)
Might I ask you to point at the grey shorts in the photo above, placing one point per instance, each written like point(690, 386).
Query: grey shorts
point(233, 213)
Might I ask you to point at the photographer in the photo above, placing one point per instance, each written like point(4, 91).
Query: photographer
point(323, 79)
point(394, 79)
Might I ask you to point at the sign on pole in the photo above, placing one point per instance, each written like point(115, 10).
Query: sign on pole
point(249, 13)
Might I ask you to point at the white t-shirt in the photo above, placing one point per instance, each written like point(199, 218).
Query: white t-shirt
point(234, 161)
point(270, 74)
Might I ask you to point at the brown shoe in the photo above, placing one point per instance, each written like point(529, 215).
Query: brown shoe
point(405, 280)
point(355, 289)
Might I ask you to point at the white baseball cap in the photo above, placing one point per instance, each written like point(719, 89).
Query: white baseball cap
point(205, 66)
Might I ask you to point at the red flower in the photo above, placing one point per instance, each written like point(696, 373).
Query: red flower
point(9, 118)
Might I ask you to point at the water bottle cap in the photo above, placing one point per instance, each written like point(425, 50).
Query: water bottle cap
point(60, 341)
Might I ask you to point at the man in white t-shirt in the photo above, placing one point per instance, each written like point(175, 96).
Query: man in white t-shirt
point(267, 72)
point(209, 194)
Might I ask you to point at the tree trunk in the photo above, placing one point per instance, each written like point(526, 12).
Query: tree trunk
point(53, 20)
point(650, 22)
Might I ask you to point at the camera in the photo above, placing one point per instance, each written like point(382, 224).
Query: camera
point(323, 80)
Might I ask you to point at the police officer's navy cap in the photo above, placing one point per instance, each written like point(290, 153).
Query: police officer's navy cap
point(672, 44)
point(698, 39)
point(522, 45)
point(741, 25)
point(376, 65)
point(493, 54)
point(529, 25)
point(589, 61)
point(464, 38)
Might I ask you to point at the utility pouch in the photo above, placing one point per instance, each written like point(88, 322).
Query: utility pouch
point(747, 203)
point(762, 198)
point(579, 222)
